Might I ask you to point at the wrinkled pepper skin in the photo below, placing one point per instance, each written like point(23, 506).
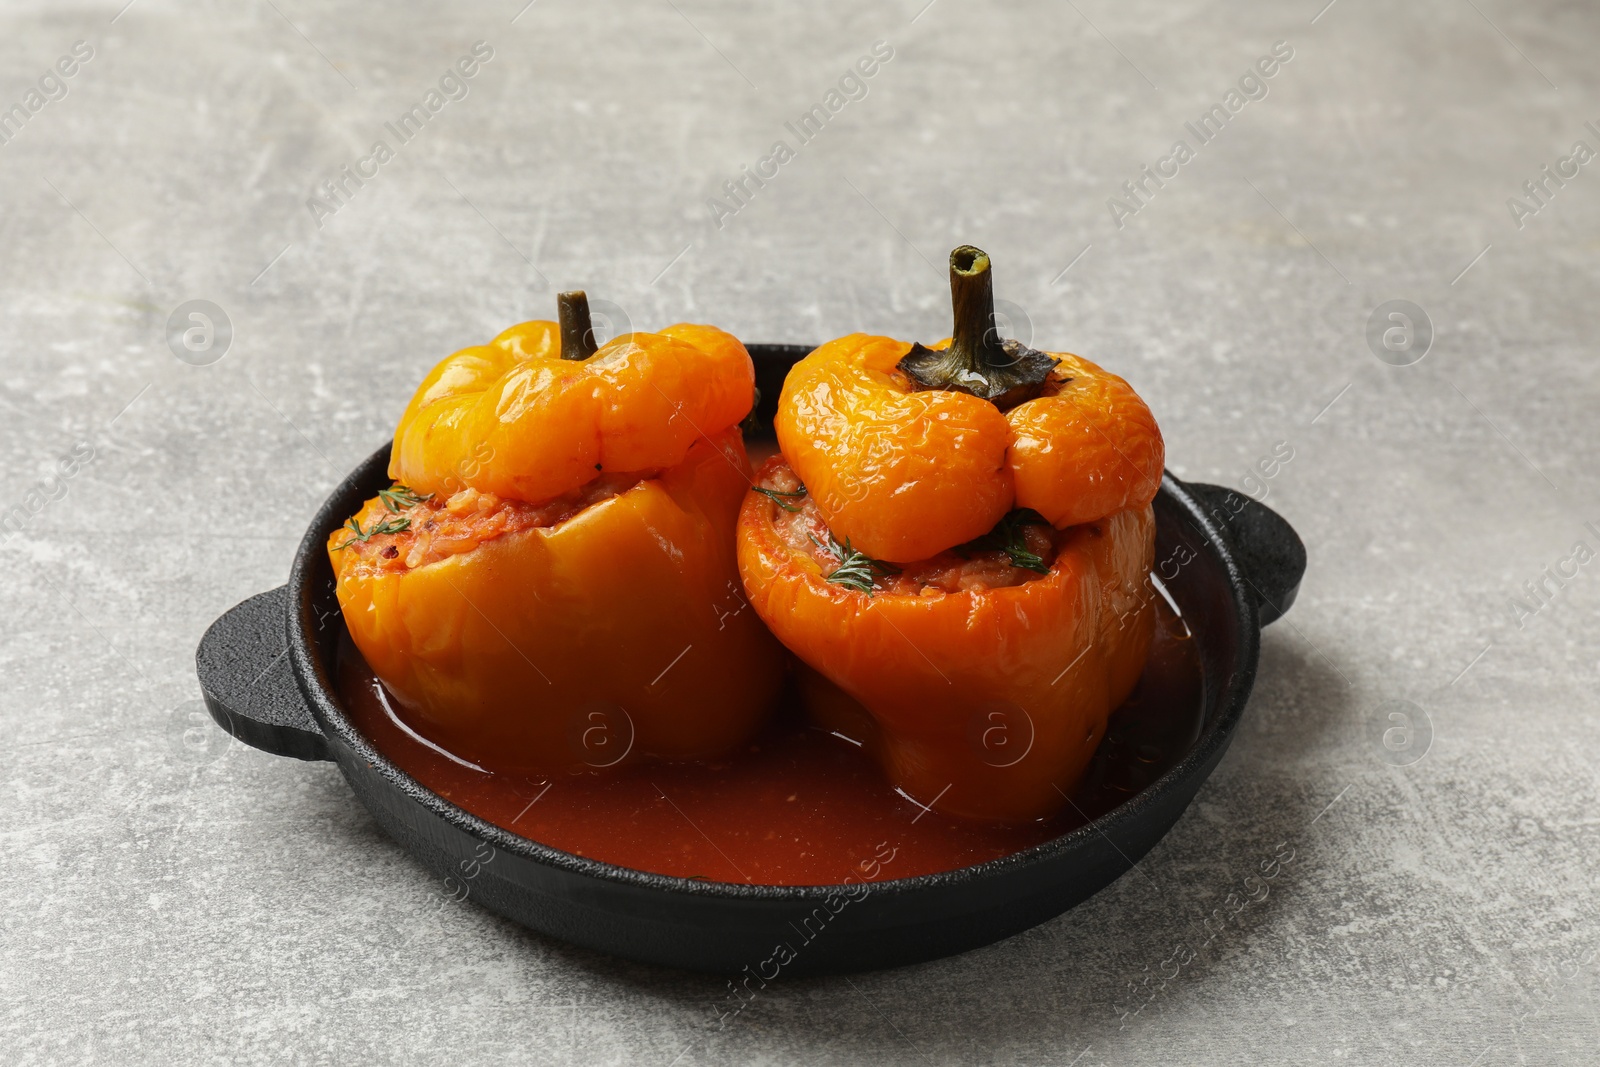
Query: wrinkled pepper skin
point(945, 689)
point(904, 474)
point(605, 633)
point(981, 686)
point(550, 423)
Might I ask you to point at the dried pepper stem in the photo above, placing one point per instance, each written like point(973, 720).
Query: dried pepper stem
point(977, 362)
point(577, 329)
point(974, 341)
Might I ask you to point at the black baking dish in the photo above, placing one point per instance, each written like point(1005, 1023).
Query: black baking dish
point(267, 670)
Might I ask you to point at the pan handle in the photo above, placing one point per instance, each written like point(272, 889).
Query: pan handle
point(243, 664)
point(1269, 552)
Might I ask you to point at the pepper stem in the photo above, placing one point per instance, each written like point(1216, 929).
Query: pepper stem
point(977, 362)
point(974, 340)
point(577, 329)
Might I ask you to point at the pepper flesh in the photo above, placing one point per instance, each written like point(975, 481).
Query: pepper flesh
point(947, 688)
point(550, 423)
point(537, 613)
point(904, 474)
point(981, 694)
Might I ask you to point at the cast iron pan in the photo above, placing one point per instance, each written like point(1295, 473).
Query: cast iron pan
point(267, 670)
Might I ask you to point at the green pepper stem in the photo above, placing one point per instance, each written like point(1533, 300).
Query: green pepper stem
point(978, 362)
point(974, 341)
point(577, 329)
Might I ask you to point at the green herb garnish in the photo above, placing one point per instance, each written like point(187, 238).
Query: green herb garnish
point(1007, 537)
point(856, 570)
point(387, 526)
point(401, 497)
point(777, 495)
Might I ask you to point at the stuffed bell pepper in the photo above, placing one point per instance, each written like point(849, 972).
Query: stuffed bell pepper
point(550, 583)
point(954, 541)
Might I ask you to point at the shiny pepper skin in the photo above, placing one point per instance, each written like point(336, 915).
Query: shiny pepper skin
point(946, 688)
point(904, 474)
point(981, 692)
point(550, 423)
point(537, 614)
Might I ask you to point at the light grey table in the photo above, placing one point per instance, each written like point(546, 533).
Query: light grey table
point(173, 897)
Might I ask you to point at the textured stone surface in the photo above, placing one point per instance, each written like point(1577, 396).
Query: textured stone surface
point(173, 897)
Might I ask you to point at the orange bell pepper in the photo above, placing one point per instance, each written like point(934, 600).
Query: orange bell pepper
point(955, 539)
point(552, 586)
point(553, 411)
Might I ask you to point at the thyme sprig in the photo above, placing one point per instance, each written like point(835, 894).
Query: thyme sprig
point(1007, 537)
point(777, 495)
point(856, 570)
point(386, 526)
point(401, 497)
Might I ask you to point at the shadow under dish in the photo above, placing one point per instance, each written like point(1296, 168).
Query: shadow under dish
point(796, 806)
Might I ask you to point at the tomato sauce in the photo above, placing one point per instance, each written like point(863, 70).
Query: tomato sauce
point(798, 806)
